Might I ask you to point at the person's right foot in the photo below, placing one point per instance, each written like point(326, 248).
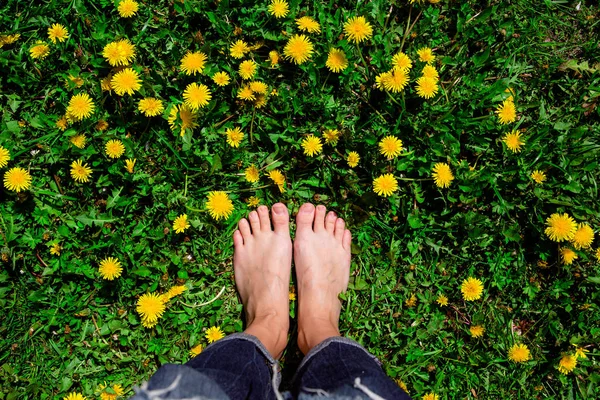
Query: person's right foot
point(322, 259)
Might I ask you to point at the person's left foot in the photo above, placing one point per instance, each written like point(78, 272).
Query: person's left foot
point(262, 261)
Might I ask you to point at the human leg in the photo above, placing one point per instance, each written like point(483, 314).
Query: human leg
point(332, 364)
point(244, 366)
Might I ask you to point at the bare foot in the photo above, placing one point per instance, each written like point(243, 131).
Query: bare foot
point(322, 259)
point(262, 261)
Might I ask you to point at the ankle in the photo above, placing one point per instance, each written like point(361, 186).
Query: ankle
point(272, 333)
point(310, 334)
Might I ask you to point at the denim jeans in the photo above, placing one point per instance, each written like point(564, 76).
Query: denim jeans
point(240, 367)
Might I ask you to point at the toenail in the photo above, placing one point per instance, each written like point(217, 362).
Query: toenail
point(253, 215)
point(307, 208)
point(278, 208)
point(321, 207)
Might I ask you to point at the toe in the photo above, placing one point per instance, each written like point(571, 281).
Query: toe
point(347, 241)
point(254, 222)
point(330, 221)
point(281, 218)
point(340, 226)
point(319, 224)
point(263, 216)
point(238, 240)
point(305, 218)
point(244, 227)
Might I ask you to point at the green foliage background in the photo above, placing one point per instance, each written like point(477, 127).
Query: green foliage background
point(65, 329)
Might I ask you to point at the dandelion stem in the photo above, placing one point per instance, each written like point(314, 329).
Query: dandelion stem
point(323, 87)
point(364, 61)
point(252, 125)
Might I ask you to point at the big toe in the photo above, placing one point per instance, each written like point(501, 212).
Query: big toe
point(280, 218)
point(305, 218)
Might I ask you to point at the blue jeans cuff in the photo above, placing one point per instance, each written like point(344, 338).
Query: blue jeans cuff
point(335, 339)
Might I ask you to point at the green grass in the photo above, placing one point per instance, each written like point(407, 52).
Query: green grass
point(64, 329)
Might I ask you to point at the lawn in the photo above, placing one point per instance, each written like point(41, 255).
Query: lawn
point(459, 140)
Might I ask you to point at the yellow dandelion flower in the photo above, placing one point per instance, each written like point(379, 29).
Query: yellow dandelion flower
point(259, 87)
point(513, 141)
point(279, 8)
point(402, 385)
point(4, 157)
point(251, 174)
point(39, 50)
point(584, 236)
point(58, 32)
point(567, 364)
point(385, 185)
point(353, 159)
point(560, 227)
point(392, 81)
point(426, 55)
point(442, 175)
point(193, 63)
point(261, 101)
point(114, 148)
point(506, 111)
point(245, 93)
point(427, 87)
point(81, 106)
point(568, 255)
point(308, 24)
point(221, 78)
point(126, 81)
point(598, 254)
point(183, 117)
point(298, 49)
point(312, 145)
point(442, 300)
point(150, 106)
point(429, 71)
point(239, 49)
point(411, 301)
point(129, 165)
point(62, 123)
point(150, 308)
point(336, 60)
point(519, 353)
point(196, 96)
point(390, 146)
point(181, 223)
point(234, 136)
point(74, 396)
point(110, 268)
point(121, 52)
point(580, 352)
point(8, 39)
point(277, 177)
point(401, 61)
point(55, 249)
point(116, 391)
point(431, 396)
point(292, 296)
point(253, 201)
point(213, 334)
point(331, 136)
point(472, 289)
point(538, 176)
point(80, 172)
point(194, 351)
point(219, 205)
point(274, 58)
point(17, 179)
point(477, 331)
point(358, 29)
point(128, 8)
point(247, 69)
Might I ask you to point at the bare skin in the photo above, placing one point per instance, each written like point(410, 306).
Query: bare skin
point(322, 260)
point(262, 263)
